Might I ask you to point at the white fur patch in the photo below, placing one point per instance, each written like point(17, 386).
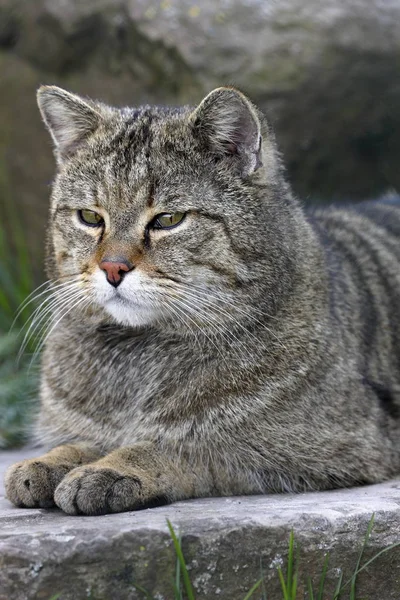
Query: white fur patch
point(131, 303)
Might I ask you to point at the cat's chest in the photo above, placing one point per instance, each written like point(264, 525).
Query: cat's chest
point(118, 389)
point(115, 390)
point(108, 375)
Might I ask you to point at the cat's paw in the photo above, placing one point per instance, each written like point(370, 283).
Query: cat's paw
point(31, 483)
point(97, 490)
point(92, 490)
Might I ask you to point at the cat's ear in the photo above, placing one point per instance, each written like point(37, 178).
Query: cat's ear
point(69, 119)
point(229, 124)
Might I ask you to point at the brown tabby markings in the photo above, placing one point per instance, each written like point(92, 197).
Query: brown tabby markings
point(253, 348)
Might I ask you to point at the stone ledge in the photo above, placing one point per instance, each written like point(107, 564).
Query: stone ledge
point(43, 552)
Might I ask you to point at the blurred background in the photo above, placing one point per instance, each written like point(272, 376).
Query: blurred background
point(326, 74)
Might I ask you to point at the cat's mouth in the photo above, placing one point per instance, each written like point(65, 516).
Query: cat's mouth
point(129, 311)
point(120, 299)
point(107, 295)
point(127, 303)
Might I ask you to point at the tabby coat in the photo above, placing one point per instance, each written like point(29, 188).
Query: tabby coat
point(208, 336)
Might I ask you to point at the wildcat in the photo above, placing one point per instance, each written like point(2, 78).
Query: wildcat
point(209, 336)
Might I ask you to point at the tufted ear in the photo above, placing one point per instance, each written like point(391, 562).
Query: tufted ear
point(69, 119)
point(229, 124)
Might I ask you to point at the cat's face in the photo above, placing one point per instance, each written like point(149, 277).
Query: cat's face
point(154, 216)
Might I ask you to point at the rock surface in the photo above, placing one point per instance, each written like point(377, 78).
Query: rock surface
point(326, 73)
point(226, 543)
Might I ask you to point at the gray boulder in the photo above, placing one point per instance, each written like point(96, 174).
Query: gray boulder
point(228, 543)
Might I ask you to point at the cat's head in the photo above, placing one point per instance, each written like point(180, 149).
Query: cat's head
point(178, 216)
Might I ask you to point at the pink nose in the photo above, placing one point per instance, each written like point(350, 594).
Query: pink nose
point(115, 269)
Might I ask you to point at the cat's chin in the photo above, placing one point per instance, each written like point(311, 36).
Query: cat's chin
point(130, 315)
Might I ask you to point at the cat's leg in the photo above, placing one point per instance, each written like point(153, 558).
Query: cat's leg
point(31, 482)
point(129, 478)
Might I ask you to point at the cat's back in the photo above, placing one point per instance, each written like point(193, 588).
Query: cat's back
point(368, 232)
point(361, 245)
point(381, 218)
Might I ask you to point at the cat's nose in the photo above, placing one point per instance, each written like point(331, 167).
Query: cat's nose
point(115, 269)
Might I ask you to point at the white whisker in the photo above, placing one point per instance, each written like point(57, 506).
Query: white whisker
point(185, 288)
point(45, 308)
point(57, 305)
point(185, 306)
point(52, 327)
point(215, 325)
point(177, 312)
point(29, 299)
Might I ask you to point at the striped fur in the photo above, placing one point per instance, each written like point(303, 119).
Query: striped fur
point(362, 250)
point(256, 346)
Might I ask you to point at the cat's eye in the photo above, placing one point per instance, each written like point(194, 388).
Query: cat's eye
point(90, 217)
point(168, 220)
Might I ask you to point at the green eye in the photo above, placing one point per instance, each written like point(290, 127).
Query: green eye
point(90, 217)
point(168, 220)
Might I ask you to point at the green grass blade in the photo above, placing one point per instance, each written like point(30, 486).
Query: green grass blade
point(283, 585)
point(322, 580)
point(354, 578)
point(177, 591)
point(289, 575)
point(353, 588)
point(371, 560)
point(185, 574)
point(296, 572)
point(368, 563)
point(294, 586)
point(338, 589)
point(310, 589)
point(147, 594)
point(253, 589)
point(365, 542)
point(177, 584)
point(357, 570)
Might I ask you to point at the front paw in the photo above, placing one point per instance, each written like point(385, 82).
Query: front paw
point(97, 490)
point(31, 483)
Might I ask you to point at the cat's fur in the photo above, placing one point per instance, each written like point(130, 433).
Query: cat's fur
point(257, 347)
